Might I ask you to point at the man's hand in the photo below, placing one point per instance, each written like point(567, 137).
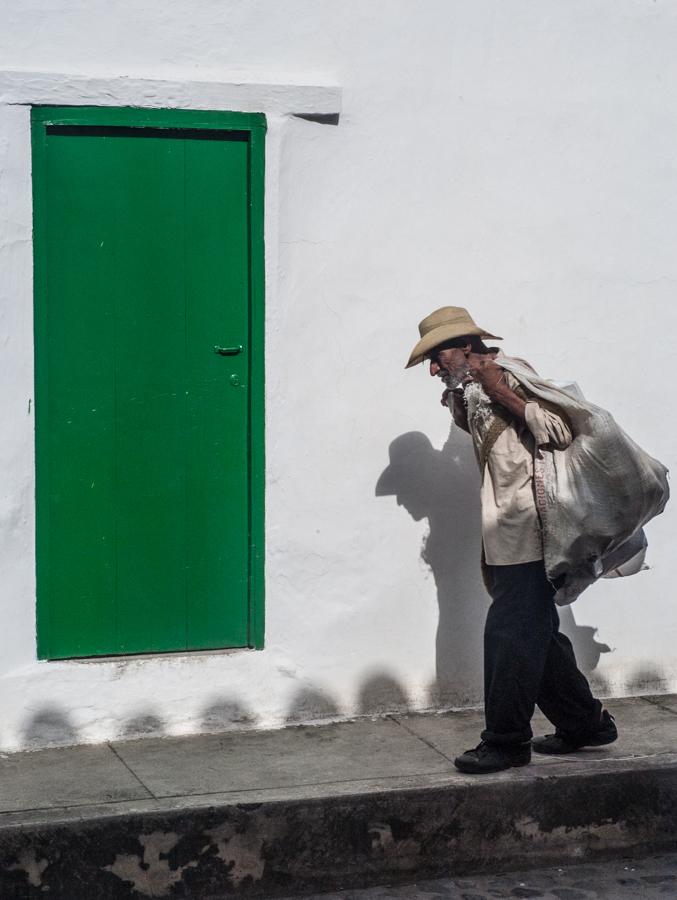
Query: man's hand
point(458, 410)
point(486, 372)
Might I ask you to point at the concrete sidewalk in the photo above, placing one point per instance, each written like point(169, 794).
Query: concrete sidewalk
point(312, 808)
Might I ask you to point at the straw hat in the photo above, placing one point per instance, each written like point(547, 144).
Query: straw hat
point(442, 325)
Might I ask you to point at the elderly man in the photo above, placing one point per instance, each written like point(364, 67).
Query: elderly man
point(527, 660)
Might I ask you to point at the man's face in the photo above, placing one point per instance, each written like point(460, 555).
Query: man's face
point(448, 362)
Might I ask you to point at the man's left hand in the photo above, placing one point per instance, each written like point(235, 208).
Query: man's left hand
point(486, 372)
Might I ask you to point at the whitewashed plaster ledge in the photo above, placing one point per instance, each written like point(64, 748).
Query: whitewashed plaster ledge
point(64, 89)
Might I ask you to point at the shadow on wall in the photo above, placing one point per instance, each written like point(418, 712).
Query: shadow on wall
point(144, 724)
point(225, 713)
point(647, 679)
point(49, 727)
point(381, 693)
point(443, 486)
point(310, 703)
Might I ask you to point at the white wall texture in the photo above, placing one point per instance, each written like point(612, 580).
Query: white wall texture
point(515, 158)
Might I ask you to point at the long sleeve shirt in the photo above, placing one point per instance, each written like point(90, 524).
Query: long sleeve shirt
point(511, 531)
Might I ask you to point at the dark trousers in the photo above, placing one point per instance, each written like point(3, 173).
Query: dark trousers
point(528, 661)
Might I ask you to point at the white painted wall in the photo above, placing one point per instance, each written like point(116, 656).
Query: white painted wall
point(516, 158)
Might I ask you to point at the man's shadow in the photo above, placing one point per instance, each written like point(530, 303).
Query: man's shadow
point(443, 486)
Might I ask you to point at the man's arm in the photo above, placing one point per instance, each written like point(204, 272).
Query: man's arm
point(492, 378)
point(546, 425)
point(459, 411)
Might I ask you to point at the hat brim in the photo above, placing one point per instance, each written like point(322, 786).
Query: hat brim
point(441, 334)
point(386, 486)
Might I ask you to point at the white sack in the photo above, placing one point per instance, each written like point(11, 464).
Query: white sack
point(595, 496)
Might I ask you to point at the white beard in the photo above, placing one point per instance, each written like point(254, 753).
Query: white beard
point(453, 380)
point(477, 403)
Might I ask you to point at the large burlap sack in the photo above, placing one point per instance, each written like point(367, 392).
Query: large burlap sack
point(594, 497)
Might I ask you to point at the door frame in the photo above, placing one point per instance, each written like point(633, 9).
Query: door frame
point(255, 126)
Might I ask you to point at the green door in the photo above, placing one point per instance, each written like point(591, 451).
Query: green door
point(148, 258)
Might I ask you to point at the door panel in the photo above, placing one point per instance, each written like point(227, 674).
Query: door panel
point(217, 271)
point(143, 431)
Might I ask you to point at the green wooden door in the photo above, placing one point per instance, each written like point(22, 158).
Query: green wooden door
point(148, 255)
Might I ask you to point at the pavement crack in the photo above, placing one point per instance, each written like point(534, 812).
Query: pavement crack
point(658, 704)
point(422, 739)
point(131, 771)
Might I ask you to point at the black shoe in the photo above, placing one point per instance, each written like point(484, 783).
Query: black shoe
point(493, 757)
point(561, 742)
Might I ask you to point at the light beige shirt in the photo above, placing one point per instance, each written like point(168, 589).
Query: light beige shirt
point(511, 530)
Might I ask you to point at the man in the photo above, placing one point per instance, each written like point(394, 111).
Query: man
point(527, 660)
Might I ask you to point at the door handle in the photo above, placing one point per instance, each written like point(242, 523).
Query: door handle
point(228, 351)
